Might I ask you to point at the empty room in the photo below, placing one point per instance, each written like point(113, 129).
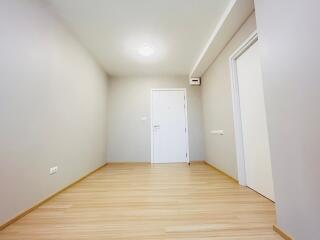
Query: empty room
point(159, 119)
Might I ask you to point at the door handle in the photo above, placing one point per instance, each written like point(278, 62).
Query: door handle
point(156, 126)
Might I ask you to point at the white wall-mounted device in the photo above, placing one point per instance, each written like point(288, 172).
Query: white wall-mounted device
point(195, 81)
point(53, 170)
point(217, 132)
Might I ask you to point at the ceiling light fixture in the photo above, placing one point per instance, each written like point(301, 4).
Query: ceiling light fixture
point(146, 51)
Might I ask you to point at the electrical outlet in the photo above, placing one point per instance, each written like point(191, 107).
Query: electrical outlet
point(217, 132)
point(53, 170)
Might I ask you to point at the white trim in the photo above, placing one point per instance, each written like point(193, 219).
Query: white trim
point(236, 106)
point(187, 124)
point(235, 14)
point(186, 116)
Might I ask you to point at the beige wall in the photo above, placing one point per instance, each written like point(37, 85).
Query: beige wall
point(52, 107)
point(129, 101)
point(217, 105)
point(289, 37)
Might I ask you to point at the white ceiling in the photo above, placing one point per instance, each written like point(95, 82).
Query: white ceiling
point(113, 31)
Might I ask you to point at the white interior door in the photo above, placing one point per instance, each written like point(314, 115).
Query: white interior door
point(169, 126)
point(254, 125)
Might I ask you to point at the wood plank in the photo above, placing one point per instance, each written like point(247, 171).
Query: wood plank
point(22, 214)
point(144, 201)
point(282, 233)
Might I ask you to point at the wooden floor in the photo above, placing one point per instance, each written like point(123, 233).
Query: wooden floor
point(143, 201)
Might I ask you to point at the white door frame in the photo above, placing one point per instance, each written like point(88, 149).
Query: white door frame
point(185, 112)
point(236, 106)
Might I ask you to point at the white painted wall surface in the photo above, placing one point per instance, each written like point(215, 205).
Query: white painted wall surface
point(289, 36)
point(53, 107)
point(129, 137)
point(217, 105)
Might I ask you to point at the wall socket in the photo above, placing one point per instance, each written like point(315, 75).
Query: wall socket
point(217, 132)
point(53, 170)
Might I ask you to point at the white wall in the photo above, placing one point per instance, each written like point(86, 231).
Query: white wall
point(52, 105)
point(289, 36)
point(217, 105)
point(129, 100)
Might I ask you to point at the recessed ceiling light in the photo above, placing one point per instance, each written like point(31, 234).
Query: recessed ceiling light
point(146, 51)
